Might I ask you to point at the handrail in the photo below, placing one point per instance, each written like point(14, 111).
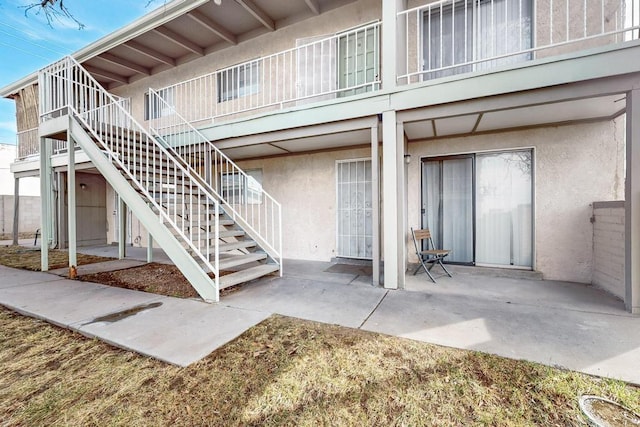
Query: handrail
point(263, 223)
point(153, 170)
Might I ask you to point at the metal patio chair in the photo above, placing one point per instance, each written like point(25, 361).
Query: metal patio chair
point(431, 255)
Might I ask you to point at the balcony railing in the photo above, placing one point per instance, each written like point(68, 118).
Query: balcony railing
point(28, 141)
point(452, 37)
point(29, 144)
point(344, 64)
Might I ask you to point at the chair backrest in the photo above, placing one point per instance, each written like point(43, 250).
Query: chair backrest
point(420, 235)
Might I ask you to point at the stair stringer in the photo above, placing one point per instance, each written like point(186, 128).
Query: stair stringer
point(189, 267)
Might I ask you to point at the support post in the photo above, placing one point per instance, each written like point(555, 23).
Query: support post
point(393, 199)
point(122, 228)
point(632, 204)
point(71, 208)
point(16, 210)
point(149, 247)
point(375, 193)
point(45, 190)
point(393, 48)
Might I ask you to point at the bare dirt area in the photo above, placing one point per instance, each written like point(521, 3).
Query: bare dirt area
point(162, 279)
point(156, 278)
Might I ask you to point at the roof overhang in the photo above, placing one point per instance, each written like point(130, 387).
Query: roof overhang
point(181, 31)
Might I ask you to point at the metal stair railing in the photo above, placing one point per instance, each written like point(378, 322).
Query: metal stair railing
point(241, 196)
point(152, 170)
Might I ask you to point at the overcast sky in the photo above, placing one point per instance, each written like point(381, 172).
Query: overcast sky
point(28, 43)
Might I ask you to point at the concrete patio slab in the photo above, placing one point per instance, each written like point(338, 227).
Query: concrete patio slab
point(100, 267)
point(10, 277)
point(544, 293)
point(67, 302)
point(586, 341)
point(315, 270)
point(326, 302)
point(179, 331)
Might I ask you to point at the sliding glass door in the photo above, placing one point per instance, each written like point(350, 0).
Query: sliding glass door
point(503, 209)
point(480, 207)
point(448, 207)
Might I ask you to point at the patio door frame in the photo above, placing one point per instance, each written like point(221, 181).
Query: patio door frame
point(473, 155)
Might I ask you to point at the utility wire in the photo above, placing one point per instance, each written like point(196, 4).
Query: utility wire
point(25, 51)
point(28, 40)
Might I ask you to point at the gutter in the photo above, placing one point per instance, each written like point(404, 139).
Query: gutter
point(154, 19)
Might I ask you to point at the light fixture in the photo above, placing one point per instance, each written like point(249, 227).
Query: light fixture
point(83, 186)
point(407, 158)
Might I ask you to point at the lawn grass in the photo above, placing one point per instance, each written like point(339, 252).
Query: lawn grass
point(29, 258)
point(283, 371)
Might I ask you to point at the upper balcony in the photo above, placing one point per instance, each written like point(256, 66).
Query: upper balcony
point(438, 39)
point(451, 37)
point(435, 40)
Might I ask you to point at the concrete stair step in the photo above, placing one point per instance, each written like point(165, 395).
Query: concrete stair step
point(243, 244)
point(243, 276)
point(231, 233)
point(238, 260)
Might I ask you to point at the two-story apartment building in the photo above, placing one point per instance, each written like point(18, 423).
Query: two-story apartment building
point(240, 132)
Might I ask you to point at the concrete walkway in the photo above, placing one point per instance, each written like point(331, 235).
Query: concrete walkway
point(556, 323)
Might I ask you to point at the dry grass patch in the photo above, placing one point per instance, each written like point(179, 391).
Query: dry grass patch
point(282, 372)
point(29, 258)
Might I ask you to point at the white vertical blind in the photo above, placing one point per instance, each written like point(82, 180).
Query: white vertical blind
point(503, 209)
point(449, 210)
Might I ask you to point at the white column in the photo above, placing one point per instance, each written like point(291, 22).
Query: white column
point(45, 190)
point(375, 192)
point(632, 204)
point(16, 210)
point(393, 199)
point(393, 49)
point(149, 247)
point(122, 228)
point(71, 204)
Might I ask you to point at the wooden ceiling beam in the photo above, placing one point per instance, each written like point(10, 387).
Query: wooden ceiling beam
point(217, 29)
point(106, 74)
point(258, 13)
point(151, 53)
point(313, 5)
point(179, 40)
point(132, 66)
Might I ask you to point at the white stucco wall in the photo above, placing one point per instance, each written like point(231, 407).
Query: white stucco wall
point(305, 184)
point(28, 186)
point(575, 165)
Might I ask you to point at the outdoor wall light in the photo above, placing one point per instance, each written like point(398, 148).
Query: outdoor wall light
point(83, 186)
point(407, 158)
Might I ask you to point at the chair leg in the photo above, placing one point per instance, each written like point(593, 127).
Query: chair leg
point(417, 269)
point(426, 270)
point(430, 276)
point(444, 268)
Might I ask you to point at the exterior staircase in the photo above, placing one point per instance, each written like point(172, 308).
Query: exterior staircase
point(206, 236)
